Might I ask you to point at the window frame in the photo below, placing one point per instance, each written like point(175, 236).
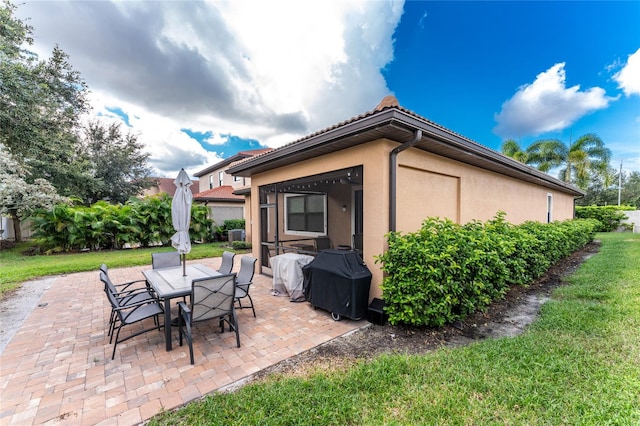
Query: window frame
point(288, 231)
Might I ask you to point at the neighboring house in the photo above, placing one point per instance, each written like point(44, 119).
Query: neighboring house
point(385, 170)
point(166, 185)
point(220, 190)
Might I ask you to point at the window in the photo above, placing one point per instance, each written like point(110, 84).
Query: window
point(210, 181)
point(549, 206)
point(220, 178)
point(306, 214)
point(236, 178)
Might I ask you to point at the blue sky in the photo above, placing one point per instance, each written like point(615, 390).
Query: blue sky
point(458, 63)
point(199, 81)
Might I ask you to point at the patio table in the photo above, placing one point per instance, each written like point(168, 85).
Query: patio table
point(170, 283)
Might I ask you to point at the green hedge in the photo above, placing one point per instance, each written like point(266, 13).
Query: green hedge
point(110, 226)
point(445, 271)
point(609, 217)
point(230, 224)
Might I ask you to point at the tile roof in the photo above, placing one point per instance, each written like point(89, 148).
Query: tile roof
point(240, 156)
point(219, 193)
point(166, 185)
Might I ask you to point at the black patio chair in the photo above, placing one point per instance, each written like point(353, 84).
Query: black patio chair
point(244, 281)
point(322, 243)
point(129, 312)
point(211, 298)
point(227, 262)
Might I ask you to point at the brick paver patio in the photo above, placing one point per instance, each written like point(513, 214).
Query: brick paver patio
point(57, 369)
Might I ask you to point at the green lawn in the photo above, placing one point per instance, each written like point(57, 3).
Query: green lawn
point(16, 267)
point(578, 364)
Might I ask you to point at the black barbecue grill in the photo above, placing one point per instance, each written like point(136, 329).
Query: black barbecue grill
point(338, 281)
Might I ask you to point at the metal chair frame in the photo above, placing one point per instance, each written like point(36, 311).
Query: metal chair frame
point(211, 298)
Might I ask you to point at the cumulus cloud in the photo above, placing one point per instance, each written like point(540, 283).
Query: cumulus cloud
point(269, 71)
point(547, 105)
point(628, 77)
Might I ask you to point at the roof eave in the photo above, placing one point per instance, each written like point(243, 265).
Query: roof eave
point(460, 148)
point(221, 164)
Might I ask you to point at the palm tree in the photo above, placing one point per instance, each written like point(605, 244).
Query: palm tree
point(512, 149)
point(579, 160)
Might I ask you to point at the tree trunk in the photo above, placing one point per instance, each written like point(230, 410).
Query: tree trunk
point(16, 229)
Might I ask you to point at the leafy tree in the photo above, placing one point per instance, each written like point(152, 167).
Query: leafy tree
point(512, 149)
point(584, 158)
point(19, 198)
point(118, 163)
point(603, 190)
point(630, 194)
point(41, 103)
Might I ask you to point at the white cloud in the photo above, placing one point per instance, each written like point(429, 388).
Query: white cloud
point(270, 71)
point(547, 105)
point(628, 77)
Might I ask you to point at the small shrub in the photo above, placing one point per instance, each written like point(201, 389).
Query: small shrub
point(241, 245)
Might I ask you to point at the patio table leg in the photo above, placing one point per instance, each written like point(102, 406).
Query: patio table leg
point(167, 323)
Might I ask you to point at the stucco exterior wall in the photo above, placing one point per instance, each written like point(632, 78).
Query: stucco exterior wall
point(633, 219)
point(428, 185)
point(212, 179)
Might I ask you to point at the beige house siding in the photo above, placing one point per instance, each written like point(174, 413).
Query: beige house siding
point(211, 180)
point(429, 185)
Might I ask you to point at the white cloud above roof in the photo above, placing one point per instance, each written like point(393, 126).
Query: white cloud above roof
point(547, 105)
point(270, 71)
point(628, 77)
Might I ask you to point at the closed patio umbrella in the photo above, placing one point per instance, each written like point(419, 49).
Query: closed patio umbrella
point(181, 216)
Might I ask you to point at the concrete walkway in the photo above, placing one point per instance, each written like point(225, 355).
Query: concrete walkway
point(57, 368)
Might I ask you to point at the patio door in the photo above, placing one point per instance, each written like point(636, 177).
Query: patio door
point(268, 224)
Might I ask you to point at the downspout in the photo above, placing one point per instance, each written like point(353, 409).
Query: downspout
point(393, 176)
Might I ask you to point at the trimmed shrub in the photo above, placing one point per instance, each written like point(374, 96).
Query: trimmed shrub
point(446, 271)
point(609, 217)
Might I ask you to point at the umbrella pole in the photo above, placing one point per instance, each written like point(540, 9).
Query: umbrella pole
point(184, 265)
